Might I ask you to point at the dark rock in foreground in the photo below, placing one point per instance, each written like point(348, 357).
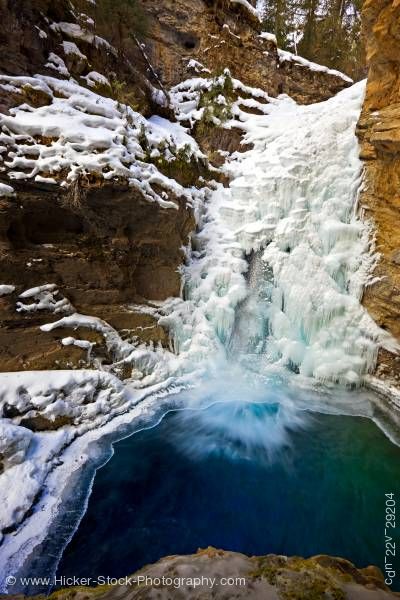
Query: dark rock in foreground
point(224, 575)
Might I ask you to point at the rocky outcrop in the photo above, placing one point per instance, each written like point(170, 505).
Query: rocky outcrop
point(101, 244)
point(105, 253)
point(379, 132)
point(183, 36)
point(190, 38)
point(29, 35)
point(223, 575)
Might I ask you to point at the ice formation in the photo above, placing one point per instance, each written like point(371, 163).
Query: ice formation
point(291, 207)
point(274, 276)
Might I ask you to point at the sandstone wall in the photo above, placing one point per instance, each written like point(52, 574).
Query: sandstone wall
point(379, 132)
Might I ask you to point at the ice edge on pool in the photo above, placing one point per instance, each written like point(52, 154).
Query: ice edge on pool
point(290, 212)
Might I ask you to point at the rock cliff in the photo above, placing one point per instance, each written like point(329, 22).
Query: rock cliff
point(98, 240)
point(190, 37)
point(235, 575)
point(379, 132)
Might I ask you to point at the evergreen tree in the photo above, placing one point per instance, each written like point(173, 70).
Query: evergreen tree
point(278, 19)
point(324, 31)
point(309, 28)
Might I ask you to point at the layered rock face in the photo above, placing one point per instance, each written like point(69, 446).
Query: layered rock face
point(224, 575)
point(100, 243)
point(110, 250)
point(192, 37)
point(379, 132)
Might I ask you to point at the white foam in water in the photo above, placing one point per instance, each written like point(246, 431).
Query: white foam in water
point(274, 280)
point(238, 417)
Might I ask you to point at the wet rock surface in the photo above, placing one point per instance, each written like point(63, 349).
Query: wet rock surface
point(379, 133)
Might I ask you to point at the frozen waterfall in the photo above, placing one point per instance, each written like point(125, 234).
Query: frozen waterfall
point(282, 256)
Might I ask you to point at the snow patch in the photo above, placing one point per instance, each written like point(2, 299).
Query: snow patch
point(75, 31)
point(93, 79)
point(197, 66)
point(90, 136)
point(70, 48)
point(5, 290)
point(285, 56)
point(57, 63)
point(44, 299)
point(249, 8)
point(42, 34)
point(6, 190)
point(269, 37)
point(87, 399)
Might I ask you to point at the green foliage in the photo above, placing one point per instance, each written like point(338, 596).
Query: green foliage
point(333, 35)
point(125, 95)
point(217, 101)
point(324, 31)
point(177, 163)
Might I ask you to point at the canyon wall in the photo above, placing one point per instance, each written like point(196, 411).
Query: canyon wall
point(379, 133)
point(191, 38)
point(100, 242)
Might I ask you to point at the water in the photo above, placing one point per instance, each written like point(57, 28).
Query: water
point(282, 256)
point(253, 477)
point(273, 285)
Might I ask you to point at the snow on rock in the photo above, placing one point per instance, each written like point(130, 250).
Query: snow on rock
point(197, 66)
point(85, 399)
point(269, 37)
point(115, 345)
point(79, 395)
point(43, 299)
point(42, 34)
point(56, 62)
point(93, 79)
point(285, 56)
point(70, 341)
point(14, 443)
point(248, 7)
point(19, 485)
point(91, 135)
point(6, 190)
point(160, 129)
point(70, 48)
point(75, 31)
point(186, 97)
point(83, 344)
point(5, 290)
